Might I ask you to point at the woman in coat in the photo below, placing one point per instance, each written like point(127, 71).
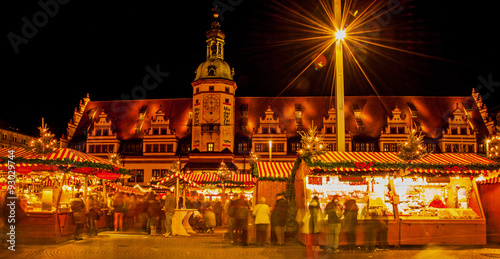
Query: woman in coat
point(79, 215)
point(261, 212)
point(350, 222)
point(314, 219)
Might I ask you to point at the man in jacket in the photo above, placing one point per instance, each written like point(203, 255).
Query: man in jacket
point(169, 212)
point(334, 212)
point(278, 218)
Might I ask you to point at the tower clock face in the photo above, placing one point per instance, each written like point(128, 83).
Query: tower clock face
point(211, 104)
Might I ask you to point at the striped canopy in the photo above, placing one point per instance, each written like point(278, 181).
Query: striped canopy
point(363, 161)
point(493, 180)
point(278, 170)
point(171, 180)
point(36, 162)
point(235, 180)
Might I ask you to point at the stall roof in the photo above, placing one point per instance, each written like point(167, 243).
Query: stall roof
point(462, 163)
point(172, 180)
point(212, 179)
point(274, 170)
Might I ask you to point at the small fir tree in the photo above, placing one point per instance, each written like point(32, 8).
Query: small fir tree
point(312, 142)
point(45, 144)
point(413, 148)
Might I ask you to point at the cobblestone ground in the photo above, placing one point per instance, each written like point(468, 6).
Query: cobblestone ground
point(131, 245)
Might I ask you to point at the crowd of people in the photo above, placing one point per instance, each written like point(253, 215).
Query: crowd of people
point(344, 216)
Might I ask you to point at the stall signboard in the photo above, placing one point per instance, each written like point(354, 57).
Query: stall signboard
point(441, 179)
point(356, 179)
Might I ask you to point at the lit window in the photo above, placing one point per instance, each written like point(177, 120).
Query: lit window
point(210, 147)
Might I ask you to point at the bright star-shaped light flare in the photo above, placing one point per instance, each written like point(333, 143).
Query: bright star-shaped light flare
point(340, 35)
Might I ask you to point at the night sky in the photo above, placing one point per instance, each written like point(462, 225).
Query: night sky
point(104, 47)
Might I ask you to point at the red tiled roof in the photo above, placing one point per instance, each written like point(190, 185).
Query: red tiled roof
point(432, 113)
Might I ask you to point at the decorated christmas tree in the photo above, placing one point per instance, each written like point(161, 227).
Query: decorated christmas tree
point(413, 148)
point(312, 142)
point(114, 158)
point(45, 144)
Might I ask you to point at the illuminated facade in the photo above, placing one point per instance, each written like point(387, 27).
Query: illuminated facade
point(215, 125)
point(10, 137)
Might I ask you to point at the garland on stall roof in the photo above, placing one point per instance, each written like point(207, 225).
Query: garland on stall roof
point(67, 164)
point(449, 168)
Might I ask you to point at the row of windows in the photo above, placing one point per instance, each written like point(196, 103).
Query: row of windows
point(14, 139)
point(278, 147)
point(159, 148)
point(459, 148)
point(101, 148)
point(101, 132)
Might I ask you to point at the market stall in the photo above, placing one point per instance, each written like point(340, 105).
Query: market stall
point(44, 186)
point(381, 181)
point(489, 190)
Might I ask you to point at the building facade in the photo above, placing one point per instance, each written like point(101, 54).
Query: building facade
point(216, 125)
point(10, 137)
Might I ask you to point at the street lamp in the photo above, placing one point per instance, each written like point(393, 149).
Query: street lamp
point(339, 76)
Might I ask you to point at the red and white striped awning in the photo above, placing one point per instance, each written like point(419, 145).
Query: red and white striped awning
point(171, 180)
point(274, 170)
point(203, 179)
point(493, 180)
point(458, 162)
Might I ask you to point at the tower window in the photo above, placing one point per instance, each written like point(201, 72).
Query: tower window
point(211, 88)
point(197, 89)
point(227, 90)
point(210, 147)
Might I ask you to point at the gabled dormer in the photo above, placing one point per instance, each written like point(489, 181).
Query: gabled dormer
point(269, 135)
point(329, 131)
point(73, 124)
point(102, 139)
point(396, 130)
point(458, 136)
point(396, 123)
point(159, 138)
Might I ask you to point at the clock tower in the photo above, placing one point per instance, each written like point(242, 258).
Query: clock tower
point(213, 98)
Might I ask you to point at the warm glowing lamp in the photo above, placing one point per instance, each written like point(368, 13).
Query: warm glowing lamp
point(340, 35)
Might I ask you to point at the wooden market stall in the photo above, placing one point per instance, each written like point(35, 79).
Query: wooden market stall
point(489, 189)
point(380, 179)
point(45, 185)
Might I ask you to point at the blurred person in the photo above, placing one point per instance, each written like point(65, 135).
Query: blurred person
point(437, 203)
point(93, 215)
point(334, 211)
point(130, 214)
point(261, 213)
point(383, 228)
point(209, 219)
point(371, 225)
point(119, 207)
point(154, 210)
point(313, 219)
point(350, 222)
point(169, 212)
point(278, 218)
point(241, 220)
point(79, 215)
point(142, 214)
point(218, 209)
point(231, 208)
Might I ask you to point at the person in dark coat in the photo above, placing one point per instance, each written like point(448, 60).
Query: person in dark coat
point(279, 216)
point(79, 215)
point(218, 209)
point(241, 220)
point(350, 222)
point(334, 211)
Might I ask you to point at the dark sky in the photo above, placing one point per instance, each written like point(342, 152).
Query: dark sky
point(103, 48)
